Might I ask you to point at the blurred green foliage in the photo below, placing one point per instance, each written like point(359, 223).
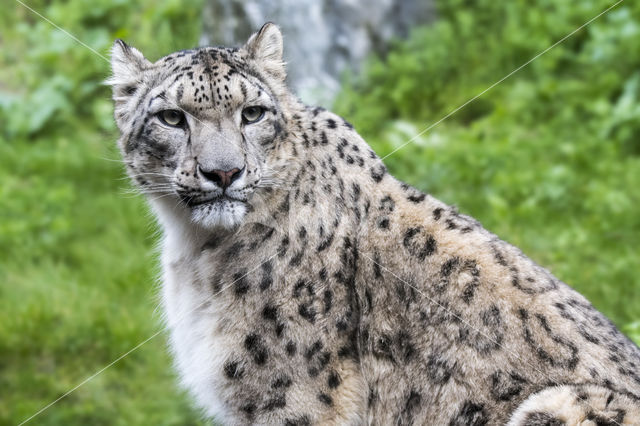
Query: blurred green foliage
point(60, 80)
point(548, 159)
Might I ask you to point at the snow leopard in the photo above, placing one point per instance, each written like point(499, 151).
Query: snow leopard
point(303, 284)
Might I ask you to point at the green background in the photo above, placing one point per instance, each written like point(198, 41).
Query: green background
point(549, 160)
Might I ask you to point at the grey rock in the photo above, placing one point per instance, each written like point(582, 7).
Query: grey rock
point(323, 38)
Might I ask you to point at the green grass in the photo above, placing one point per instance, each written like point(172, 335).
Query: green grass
point(548, 160)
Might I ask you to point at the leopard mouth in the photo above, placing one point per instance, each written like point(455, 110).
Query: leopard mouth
point(221, 211)
point(200, 202)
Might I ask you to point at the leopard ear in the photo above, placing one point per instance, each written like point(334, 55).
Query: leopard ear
point(127, 64)
point(265, 48)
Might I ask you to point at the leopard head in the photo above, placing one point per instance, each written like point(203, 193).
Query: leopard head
point(203, 128)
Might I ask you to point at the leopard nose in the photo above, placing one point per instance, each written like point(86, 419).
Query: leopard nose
point(222, 178)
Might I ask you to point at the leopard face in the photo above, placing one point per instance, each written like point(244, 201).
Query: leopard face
point(199, 127)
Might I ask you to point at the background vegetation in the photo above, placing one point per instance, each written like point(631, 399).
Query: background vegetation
point(549, 160)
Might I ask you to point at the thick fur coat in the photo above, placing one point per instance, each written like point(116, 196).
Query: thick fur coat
point(312, 287)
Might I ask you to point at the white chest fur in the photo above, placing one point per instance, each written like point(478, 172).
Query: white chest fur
point(199, 350)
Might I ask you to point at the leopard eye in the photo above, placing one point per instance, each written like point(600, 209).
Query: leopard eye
point(252, 114)
point(171, 117)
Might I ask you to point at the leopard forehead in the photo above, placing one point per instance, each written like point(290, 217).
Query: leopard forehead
point(203, 83)
point(209, 79)
point(210, 86)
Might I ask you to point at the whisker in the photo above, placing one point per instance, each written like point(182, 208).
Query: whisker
point(112, 160)
point(153, 174)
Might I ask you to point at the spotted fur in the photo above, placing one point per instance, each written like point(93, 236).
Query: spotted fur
point(318, 289)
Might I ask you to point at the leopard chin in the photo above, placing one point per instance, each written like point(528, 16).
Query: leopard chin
point(219, 213)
